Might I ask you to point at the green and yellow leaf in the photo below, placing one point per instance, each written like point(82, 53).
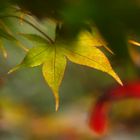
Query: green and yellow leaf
point(93, 39)
point(53, 71)
point(53, 58)
point(91, 57)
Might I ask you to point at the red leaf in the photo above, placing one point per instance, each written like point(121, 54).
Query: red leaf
point(99, 114)
point(98, 119)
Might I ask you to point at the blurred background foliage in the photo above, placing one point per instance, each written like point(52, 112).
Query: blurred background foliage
point(26, 103)
point(116, 20)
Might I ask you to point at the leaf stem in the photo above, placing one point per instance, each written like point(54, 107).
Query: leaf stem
point(31, 24)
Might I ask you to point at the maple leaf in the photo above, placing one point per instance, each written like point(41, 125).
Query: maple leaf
point(93, 38)
point(54, 57)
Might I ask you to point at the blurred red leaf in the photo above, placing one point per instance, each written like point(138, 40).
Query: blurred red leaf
point(99, 114)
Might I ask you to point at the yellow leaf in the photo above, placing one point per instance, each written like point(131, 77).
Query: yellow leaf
point(53, 59)
point(93, 39)
point(90, 56)
point(53, 71)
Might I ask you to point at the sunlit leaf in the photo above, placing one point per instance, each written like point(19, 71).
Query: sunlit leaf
point(53, 58)
point(53, 71)
point(93, 39)
point(91, 57)
point(36, 56)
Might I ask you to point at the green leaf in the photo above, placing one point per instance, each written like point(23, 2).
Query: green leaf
point(54, 63)
point(36, 56)
point(53, 71)
point(53, 58)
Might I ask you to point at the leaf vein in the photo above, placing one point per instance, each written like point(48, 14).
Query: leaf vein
point(89, 59)
point(38, 54)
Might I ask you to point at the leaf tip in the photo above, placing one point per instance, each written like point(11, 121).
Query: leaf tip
point(56, 107)
point(119, 80)
point(14, 69)
point(109, 50)
point(56, 101)
point(116, 77)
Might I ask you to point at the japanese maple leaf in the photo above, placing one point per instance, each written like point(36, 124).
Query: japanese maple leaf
point(54, 58)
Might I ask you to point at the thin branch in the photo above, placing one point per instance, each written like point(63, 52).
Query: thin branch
point(31, 24)
point(17, 41)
